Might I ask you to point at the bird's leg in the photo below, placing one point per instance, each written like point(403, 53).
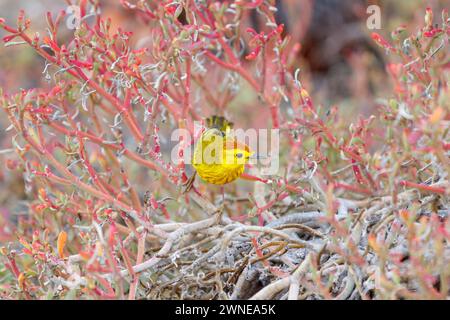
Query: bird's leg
point(189, 183)
point(222, 206)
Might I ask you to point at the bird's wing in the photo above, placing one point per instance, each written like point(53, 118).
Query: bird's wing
point(219, 122)
point(211, 135)
point(206, 144)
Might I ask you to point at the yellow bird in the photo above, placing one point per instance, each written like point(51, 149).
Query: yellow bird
point(218, 157)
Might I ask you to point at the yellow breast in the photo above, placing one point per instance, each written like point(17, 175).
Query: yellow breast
point(219, 174)
point(210, 159)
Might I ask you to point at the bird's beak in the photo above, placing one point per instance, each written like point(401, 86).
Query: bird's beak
point(256, 156)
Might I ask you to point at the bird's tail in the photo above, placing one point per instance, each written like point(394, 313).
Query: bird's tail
point(219, 122)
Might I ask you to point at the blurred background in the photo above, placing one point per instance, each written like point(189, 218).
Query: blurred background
point(337, 53)
point(340, 65)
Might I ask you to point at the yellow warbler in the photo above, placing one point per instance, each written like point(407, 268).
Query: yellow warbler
point(218, 157)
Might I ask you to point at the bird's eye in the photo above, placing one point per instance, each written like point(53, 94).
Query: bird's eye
point(238, 155)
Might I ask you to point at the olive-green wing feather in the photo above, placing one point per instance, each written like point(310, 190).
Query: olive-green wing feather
point(205, 147)
point(219, 122)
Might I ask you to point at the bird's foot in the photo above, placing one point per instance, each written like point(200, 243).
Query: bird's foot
point(189, 184)
point(219, 212)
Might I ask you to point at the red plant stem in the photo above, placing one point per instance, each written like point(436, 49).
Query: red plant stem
point(97, 180)
point(139, 260)
point(12, 266)
point(170, 107)
point(422, 187)
point(319, 127)
point(213, 102)
point(187, 88)
point(235, 68)
point(289, 187)
point(345, 186)
point(181, 153)
point(72, 178)
point(126, 152)
point(129, 265)
point(276, 271)
point(228, 51)
point(274, 113)
point(129, 118)
point(259, 252)
point(250, 177)
point(175, 113)
point(357, 173)
point(270, 204)
point(110, 294)
point(132, 191)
